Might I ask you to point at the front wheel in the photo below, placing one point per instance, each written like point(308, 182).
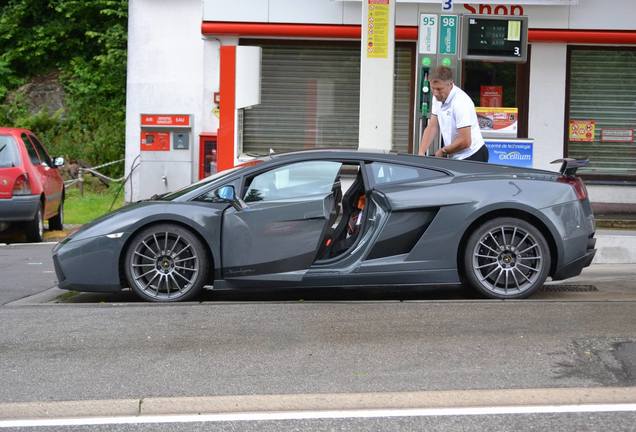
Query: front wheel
point(506, 258)
point(166, 263)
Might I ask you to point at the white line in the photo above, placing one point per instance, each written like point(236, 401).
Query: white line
point(331, 414)
point(28, 244)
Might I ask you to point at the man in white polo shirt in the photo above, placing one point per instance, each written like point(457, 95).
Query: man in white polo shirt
point(453, 112)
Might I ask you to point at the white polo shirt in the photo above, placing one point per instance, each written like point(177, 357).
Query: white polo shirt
point(456, 112)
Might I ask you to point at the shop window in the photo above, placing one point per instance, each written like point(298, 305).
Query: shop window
point(499, 85)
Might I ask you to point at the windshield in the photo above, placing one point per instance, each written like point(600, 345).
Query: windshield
point(8, 152)
point(187, 189)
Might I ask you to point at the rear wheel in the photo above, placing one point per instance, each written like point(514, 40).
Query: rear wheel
point(506, 258)
point(35, 227)
point(166, 263)
point(57, 221)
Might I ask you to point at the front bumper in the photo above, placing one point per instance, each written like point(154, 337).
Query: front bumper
point(88, 265)
point(19, 208)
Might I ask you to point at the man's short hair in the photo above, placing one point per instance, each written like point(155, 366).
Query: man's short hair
point(441, 73)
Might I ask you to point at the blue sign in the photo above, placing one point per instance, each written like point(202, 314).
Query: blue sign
point(514, 152)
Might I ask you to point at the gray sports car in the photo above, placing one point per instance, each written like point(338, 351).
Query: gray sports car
point(331, 218)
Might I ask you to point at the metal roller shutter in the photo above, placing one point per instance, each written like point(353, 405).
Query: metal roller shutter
point(310, 96)
point(602, 88)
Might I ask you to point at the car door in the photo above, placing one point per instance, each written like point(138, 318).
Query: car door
point(52, 181)
point(277, 233)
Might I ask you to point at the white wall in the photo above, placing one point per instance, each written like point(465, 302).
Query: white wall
point(609, 15)
point(165, 69)
point(547, 102)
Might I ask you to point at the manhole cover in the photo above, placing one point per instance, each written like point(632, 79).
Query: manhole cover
point(568, 288)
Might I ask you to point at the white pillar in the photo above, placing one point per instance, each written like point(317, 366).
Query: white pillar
point(376, 74)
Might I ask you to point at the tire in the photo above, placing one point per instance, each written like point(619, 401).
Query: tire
point(57, 221)
point(166, 263)
point(35, 228)
point(506, 258)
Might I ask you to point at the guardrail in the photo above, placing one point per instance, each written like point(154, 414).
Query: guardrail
point(79, 181)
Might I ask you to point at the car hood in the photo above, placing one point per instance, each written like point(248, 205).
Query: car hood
point(115, 221)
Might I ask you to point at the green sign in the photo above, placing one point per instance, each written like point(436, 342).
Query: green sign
point(448, 35)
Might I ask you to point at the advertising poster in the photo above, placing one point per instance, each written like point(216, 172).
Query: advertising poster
point(582, 130)
point(490, 96)
point(378, 29)
point(517, 152)
point(495, 122)
point(617, 135)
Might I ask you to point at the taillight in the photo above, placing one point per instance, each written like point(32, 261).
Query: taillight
point(22, 186)
point(577, 184)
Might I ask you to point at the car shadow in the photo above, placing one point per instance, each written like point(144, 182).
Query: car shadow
point(294, 295)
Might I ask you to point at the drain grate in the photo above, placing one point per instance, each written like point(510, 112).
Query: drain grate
point(568, 288)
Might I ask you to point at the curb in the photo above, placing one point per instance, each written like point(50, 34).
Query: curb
point(303, 402)
point(615, 247)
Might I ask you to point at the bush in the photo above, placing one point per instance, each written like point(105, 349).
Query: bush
point(82, 43)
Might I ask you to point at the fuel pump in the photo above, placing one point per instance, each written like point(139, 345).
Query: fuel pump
point(425, 90)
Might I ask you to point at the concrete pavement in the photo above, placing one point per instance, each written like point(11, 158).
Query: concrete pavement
point(615, 247)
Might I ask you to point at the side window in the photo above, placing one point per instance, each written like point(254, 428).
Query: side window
point(43, 154)
point(293, 181)
point(33, 155)
point(390, 173)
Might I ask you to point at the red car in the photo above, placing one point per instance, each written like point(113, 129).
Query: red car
point(31, 188)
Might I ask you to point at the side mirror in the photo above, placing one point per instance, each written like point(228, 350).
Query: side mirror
point(58, 161)
point(226, 193)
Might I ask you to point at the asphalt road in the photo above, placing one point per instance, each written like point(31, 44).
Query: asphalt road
point(25, 269)
point(360, 343)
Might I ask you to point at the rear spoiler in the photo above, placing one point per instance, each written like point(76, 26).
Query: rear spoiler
point(570, 165)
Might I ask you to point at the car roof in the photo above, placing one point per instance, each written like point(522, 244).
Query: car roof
point(13, 131)
point(457, 167)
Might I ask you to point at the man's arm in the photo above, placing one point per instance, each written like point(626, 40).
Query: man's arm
point(462, 141)
point(430, 132)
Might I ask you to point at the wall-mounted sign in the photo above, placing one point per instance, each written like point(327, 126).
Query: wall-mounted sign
point(490, 96)
point(428, 34)
point(517, 152)
point(448, 35)
point(582, 130)
point(617, 135)
point(170, 120)
point(498, 121)
point(378, 29)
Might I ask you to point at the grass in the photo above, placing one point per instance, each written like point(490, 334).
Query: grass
point(83, 209)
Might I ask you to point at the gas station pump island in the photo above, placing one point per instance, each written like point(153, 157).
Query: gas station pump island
point(457, 41)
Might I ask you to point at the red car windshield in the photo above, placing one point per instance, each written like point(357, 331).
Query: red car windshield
point(8, 152)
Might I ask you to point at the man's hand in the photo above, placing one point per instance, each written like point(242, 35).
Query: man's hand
point(440, 153)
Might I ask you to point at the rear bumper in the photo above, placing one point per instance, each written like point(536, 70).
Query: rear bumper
point(575, 267)
point(19, 208)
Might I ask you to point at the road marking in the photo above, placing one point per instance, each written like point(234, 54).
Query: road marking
point(29, 244)
point(334, 414)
